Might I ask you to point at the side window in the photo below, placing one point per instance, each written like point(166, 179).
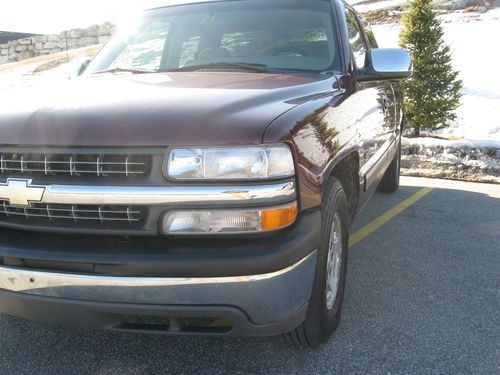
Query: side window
point(189, 49)
point(356, 39)
point(369, 32)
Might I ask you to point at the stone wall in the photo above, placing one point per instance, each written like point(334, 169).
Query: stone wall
point(22, 49)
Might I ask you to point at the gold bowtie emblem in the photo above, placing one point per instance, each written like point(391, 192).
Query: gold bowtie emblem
point(20, 192)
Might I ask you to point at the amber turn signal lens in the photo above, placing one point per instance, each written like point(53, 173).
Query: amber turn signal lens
point(278, 218)
point(229, 221)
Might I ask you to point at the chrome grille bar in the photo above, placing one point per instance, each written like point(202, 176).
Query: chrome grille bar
point(277, 193)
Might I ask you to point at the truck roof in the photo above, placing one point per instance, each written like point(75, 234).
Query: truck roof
point(168, 3)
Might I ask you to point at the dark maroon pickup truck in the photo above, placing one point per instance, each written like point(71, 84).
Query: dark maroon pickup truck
point(200, 174)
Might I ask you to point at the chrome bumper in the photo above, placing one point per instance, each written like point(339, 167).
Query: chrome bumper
point(265, 298)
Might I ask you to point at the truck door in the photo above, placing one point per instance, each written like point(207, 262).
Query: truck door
point(374, 106)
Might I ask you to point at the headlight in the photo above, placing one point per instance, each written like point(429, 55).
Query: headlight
point(229, 221)
point(234, 163)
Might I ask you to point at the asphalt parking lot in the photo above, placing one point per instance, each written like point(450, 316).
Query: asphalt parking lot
point(422, 297)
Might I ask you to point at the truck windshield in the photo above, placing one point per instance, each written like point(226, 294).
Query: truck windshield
point(254, 35)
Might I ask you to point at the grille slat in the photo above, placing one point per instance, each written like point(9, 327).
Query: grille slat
point(74, 213)
point(75, 165)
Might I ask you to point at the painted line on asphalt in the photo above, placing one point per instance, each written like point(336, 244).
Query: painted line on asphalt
point(374, 225)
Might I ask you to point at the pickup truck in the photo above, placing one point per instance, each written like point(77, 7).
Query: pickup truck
point(200, 174)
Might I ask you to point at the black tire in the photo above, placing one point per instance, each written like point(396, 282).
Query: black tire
point(320, 322)
point(390, 181)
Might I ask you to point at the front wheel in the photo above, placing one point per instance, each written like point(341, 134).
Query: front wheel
point(325, 304)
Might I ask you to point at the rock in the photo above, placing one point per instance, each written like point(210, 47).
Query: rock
point(104, 29)
point(459, 4)
point(91, 40)
point(92, 31)
point(72, 43)
point(76, 33)
point(50, 45)
point(17, 50)
point(103, 39)
point(24, 55)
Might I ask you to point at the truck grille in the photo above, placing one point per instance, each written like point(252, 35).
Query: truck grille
point(79, 166)
point(46, 214)
point(107, 165)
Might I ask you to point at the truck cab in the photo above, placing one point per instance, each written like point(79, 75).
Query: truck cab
point(200, 174)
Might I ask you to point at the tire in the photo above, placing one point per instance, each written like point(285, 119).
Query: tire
point(390, 181)
point(323, 315)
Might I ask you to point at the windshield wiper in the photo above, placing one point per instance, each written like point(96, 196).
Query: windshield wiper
point(262, 68)
point(124, 70)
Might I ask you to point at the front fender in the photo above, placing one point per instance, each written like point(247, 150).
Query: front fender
point(322, 133)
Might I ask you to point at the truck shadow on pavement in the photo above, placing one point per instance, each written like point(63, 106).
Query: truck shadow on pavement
point(422, 296)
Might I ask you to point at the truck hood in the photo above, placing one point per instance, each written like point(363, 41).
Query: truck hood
point(153, 109)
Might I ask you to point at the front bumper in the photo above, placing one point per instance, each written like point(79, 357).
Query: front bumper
point(161, 257)
point(254, 305)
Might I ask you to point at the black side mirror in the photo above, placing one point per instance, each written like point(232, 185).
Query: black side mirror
point(386, 64)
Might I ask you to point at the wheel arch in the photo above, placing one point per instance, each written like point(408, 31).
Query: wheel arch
point(346, 169)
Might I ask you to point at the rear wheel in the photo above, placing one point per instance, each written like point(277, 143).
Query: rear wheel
point(390, 181)
point(325, 304)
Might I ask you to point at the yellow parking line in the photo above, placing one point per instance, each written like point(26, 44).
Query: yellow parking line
point(387, 216)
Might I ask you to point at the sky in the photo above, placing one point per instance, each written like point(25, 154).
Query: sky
point(54, 16)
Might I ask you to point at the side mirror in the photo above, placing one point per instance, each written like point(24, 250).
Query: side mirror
point(386, 64)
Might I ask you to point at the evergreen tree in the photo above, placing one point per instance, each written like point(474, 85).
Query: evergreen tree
point(433, 93)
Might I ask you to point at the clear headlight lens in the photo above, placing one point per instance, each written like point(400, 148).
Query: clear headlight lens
point(235, 163)
point(229, 221)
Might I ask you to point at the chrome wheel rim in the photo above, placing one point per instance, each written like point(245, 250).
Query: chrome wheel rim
point(334, 262)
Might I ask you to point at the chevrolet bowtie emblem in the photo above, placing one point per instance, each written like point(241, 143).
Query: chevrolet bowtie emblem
point(20, 192)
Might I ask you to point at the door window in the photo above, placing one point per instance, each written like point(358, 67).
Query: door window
point(356, 39)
